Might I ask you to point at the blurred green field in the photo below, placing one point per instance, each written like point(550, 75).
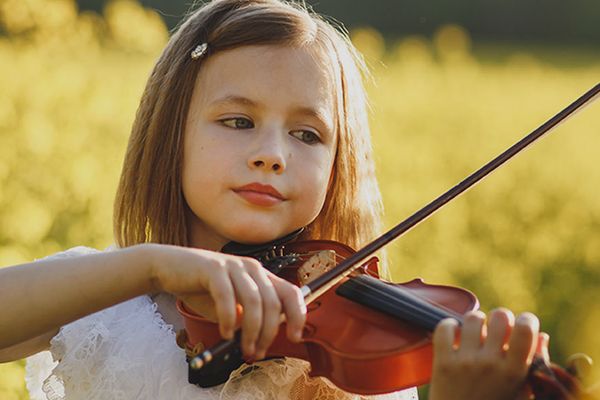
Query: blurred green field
point(526, 238)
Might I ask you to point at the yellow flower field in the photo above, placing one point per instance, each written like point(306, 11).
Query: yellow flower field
point(528, 237)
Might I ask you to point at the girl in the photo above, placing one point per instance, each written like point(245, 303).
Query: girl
point(253, 124)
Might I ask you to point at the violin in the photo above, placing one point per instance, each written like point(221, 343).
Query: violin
point(364, 334)
point(343, 339)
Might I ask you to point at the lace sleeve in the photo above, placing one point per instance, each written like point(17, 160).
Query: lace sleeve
point(39, 367)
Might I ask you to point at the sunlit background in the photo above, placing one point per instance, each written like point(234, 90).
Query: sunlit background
point(444, 102)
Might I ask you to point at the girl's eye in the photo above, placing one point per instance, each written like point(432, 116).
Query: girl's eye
point(307, 137)
point(237, 123)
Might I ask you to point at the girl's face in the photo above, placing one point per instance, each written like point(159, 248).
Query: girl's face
point(259, 145)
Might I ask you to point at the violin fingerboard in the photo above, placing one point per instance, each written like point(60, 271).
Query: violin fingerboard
point(393, 300)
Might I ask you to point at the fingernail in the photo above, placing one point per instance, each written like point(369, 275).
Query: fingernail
point(543, 341)
point(526, 318)
point(523, 317)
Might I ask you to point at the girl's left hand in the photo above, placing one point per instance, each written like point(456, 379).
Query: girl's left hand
point(490, 361)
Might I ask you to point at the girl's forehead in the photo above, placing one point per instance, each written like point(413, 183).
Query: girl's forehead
point(277, 76)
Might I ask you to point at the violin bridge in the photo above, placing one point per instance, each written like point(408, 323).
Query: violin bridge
point(320, 262)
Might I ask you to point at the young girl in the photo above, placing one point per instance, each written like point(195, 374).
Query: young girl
point(253, 124)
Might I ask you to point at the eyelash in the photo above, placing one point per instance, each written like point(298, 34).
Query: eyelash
point(314, 138)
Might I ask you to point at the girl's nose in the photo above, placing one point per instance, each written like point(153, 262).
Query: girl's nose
point(269, 157)
point(273, 165)
point(270, 162)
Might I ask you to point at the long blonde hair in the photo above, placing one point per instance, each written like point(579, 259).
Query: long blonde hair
point(150, 207)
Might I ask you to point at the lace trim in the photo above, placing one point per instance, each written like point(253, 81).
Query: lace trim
point(39, 367)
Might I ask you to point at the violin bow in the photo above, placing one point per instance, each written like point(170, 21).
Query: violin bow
point(330, 278)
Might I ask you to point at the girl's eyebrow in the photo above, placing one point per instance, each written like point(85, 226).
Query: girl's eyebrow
point(322, 117)
point(233, 99)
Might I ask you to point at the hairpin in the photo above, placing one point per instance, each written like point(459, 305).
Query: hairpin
point(199, 51)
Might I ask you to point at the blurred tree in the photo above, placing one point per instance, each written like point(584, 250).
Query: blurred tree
point(553, 21)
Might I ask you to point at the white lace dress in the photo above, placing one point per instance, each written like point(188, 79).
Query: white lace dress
point(128, 352)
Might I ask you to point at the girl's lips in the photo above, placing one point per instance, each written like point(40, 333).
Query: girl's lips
point(259, 194)
point(258, 198)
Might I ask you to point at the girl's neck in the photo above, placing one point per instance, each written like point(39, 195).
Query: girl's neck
point(200, 236)
point(201, 239)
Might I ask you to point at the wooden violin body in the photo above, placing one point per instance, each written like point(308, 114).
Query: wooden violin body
point(359, 349)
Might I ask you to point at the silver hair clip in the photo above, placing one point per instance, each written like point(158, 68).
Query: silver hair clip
point(199, 51)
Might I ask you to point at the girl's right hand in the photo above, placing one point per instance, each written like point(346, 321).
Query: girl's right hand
point(215, 285)
point(490, 360)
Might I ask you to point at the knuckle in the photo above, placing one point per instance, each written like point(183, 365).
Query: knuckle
point(219, 265)
point(272, 304)
point(253, 268)
point(253, 300)
point(234, 265)
point(291, 292)
point(252, 264)
point(467, 363)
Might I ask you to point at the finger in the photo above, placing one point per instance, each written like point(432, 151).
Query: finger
point(271, 310)
point(223, 294)
point(523, 340)
point(542, 346)
point(248, 294)
point(293, 305)
point(471, 332)
point(500, 326)
point(444, 337)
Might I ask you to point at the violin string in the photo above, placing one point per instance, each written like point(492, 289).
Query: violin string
point(433, 306)
point(434, 312)
point(410, 303)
